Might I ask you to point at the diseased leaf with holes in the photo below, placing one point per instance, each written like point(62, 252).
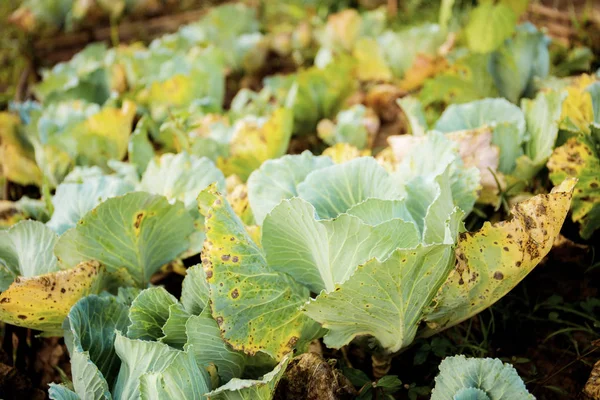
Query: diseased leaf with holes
point(463, 378)
point(205, 342)
point(493, 260)
point(383, 299)
point(251, 389)
point(26, 250)
point(255, 142)
point(136, 233)
point(42, 302)
point(580, 158)
point(251, 320)
point(320, 254)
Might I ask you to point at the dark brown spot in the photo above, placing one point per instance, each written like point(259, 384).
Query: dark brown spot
point(235, 294)
point(292, 342)
point(235, 259)
point(138, 220)
point(21, 316)
point(498, 275)
point(63, 290)
point(209, 274)
point(225, 257)
point(594, 185)
point(505, 248)
point(5, 300)
point(529, 222)
point(219, 320)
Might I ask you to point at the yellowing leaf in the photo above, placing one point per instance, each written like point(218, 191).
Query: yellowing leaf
point(580, 158)
point(105, 135)
point(577, 107)
point(238, 198)
point(256, 307)
point(489, 25)
point(423, 68)
point(342, 152)
point(371, 65)
point(42, 302)
point(17, 167)
point(253, 144)
point(16, 156)
point(343, 29)
point(493, 260)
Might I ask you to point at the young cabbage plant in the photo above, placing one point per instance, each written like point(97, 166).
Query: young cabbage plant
point(463, 378)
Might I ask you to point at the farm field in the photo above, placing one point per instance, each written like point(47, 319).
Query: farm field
point(300, 200)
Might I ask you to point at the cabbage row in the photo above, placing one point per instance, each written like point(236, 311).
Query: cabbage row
point(398, 136)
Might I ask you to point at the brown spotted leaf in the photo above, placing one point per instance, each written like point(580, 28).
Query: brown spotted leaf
point(134, 234)
point(256, 308)
point(42, 302)
point(580, 158)
point(493, 260)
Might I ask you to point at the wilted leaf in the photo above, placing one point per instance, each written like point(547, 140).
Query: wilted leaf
point(493, 260)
